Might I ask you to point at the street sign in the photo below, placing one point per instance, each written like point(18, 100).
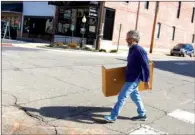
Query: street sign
point(93, 12)
point(72, 27)
point(82, 30)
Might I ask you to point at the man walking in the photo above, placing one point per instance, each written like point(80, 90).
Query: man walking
point(137, 70)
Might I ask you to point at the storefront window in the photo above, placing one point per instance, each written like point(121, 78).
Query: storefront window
point(64, 22)
point(72, 18)
point(14, 21)
point(38, 27)
point(108, 23)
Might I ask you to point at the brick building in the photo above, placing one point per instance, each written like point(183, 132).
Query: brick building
point(175, 23)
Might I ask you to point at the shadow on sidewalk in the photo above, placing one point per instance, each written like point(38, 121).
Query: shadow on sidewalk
point(181, 67)
point(81, 114)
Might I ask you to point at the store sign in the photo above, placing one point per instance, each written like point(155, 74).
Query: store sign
point(93, 12)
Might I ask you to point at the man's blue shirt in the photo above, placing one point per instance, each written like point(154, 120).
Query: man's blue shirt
point(138, 65)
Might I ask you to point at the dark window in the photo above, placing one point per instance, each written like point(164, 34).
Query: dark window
point(37, 27)
point(64, 22)
point(186, 46)
point(193, 15)
point(190, 47)
point(158, 30)
point(146, 5)
point(108, 23)
point(173, 35)
point(180, 46)
point(193, 37)
point(179, 9)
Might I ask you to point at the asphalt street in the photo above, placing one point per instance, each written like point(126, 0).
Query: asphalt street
point(59, 92)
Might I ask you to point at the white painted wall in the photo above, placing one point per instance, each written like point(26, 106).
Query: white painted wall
point(38, 9)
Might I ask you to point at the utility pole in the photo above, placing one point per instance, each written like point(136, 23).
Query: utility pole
point(137, 18)
point(102, 3)
point(154, 26)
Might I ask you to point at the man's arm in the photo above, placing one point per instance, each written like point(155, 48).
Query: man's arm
point(144, 65)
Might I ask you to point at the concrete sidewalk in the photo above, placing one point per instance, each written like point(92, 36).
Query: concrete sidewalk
point(121, 52)
point(156, 55)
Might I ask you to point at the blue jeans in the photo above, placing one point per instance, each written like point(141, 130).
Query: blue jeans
point(129, 89)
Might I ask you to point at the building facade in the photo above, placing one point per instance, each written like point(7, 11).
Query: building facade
point(175, 22)
point(12, 12)
point(31, 19)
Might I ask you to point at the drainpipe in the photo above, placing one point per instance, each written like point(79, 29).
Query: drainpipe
point(154, 26)
point(137, 18)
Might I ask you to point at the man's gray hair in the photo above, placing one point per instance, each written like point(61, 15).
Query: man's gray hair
point(134, 34)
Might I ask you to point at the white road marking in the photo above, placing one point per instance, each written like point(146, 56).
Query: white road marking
point(147, 130)
point(185, 102)
point(183, 115)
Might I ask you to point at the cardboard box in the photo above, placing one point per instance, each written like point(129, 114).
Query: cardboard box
point(114, 79)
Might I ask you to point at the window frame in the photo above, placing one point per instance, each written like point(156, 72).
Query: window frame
point(173, 33)
point(193, 14)
point(146, 4)
point(179, 9)
point(158, 31)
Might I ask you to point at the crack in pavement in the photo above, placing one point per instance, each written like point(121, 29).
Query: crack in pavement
point(41, 119)
point(140, 125)
point(29, 114)
point(16, 100)
point(115, 130)
point(36, 117)
point(79, 64)
point(157, 119)
point(33, 101)
point(157, 109)
point(81, 112)
point(66, 82)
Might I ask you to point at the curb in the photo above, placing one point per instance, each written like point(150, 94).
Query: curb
point(119, 53)
point(6, 44)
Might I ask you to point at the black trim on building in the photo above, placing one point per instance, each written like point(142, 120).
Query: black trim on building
point(12, 7)
point(74, 4)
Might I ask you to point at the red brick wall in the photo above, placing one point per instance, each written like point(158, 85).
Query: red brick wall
point(125, 14)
